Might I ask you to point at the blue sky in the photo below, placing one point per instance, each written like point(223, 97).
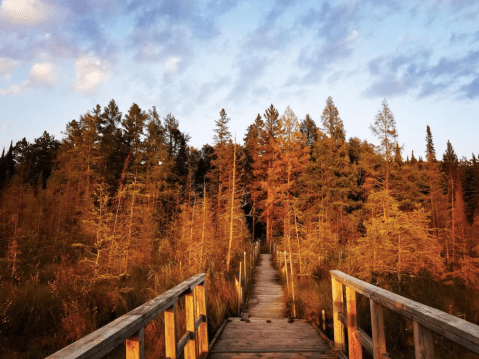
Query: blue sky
point(59, 58)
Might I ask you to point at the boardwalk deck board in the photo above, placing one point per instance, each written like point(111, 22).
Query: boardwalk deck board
point(267, 333)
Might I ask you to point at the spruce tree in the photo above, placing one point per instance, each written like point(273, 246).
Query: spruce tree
point(309, 129)
point(430, 150)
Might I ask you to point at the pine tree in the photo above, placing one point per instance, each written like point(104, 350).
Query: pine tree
point(252, 152)
point(133, 131)
point(111, 145)
point(384, 128)
point(222, 159)
point(450, 165)
point(430, 150)
point(332, 124)
point(293, 156)
point(263, 168)
point(310, 130)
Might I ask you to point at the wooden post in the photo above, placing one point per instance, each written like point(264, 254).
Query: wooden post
point(355, 348)
point(190, 349)
point(286, 270)
point(292, 283)
point(170, 332)
point(245, 274)
point(377, 323)
point(324, 319)
point(337, 308)
point(423, 342)
point(240, 288)
point(202, 331)
point(135, 346)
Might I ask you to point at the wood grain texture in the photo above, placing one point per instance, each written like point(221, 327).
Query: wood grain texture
point(423, 342)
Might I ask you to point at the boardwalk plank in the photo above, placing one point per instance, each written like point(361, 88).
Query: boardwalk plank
point(267, 333)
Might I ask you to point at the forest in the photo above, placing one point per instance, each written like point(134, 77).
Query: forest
point(122, 209)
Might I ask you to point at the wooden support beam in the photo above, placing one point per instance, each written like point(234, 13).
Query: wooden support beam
point(337, 308)
point(365, 340)
point(202, 332)
point(423, 342)
point(190, 349)
point(135, 346)
point(377, 323)
point(170, 332)
point(355, 349)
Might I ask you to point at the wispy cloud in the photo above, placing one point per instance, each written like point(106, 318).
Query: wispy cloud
point(6, 66)
point(413, 71)
point(91, 72)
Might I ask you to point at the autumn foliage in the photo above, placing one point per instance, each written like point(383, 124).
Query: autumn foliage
point(122, 208)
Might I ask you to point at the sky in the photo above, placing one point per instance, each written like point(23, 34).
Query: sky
point(60, 58)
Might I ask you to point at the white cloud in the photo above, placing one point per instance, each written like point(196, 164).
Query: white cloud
point(42, 73)
point(6, 66)
point(29, 12)
point(172, 64)
point(90, 72)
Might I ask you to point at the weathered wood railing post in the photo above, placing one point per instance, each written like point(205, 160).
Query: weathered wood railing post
point(190, 348)
point(135, 346)
point(202, 331)
point(355, 349)
point(245, 267)
point(377, 324)
point(337, 310)
point(292, 283)
point(170, 332)
point(423, 342)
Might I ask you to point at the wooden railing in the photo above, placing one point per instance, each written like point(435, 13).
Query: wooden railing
point(129, 328)
point(426, 320)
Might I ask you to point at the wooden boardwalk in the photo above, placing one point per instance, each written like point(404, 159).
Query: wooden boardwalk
point(267, 333)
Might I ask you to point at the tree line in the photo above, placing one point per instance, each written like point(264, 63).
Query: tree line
point(121, 193)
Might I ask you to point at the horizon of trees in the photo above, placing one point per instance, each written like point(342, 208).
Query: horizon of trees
point(125, 192)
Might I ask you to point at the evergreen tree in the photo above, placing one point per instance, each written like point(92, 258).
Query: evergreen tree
point(222, 160)
point(309, 129)
point(111, 145)
point(7, 165)
point(252, 152)
point(430, 150)
point(293, 156)
point(384, 128)
point(450, 166)
point(263, 168)
point(332, 124)
point(133, 130)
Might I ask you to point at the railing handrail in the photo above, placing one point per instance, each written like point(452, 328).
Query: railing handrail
point(108, 337)
point(449, 326)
